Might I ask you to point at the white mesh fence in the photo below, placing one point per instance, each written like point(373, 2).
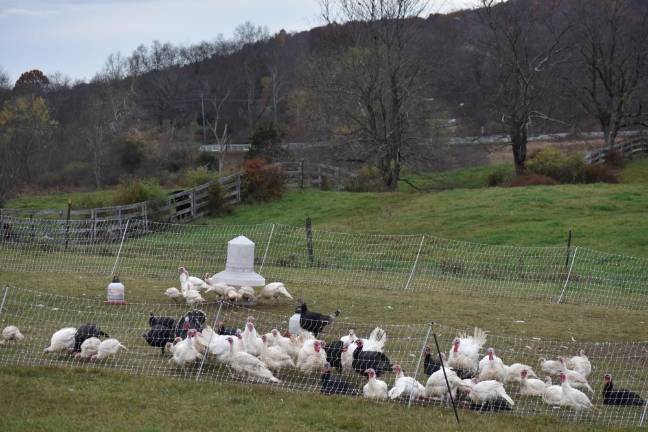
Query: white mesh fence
point(291, 254)
point(39, 315)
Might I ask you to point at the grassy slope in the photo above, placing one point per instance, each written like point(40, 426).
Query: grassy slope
point(604, 216)
point(607, 217)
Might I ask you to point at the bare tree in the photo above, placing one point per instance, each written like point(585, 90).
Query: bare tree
point(371, 81)
point(219, 128)
point(611, 42)
point(522, 46)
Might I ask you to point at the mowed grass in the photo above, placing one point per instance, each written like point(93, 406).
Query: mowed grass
point(606, 217)
point(366, 305)
point(72, 400)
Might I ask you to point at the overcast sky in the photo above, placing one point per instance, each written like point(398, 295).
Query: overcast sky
point(74, 37)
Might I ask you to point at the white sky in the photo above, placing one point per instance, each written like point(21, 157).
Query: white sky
point(74, 37)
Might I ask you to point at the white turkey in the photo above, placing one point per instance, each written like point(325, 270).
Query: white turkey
point(552, 394)
point(247, 293)
point(208, 341)
point(464, 353)
point(251, 340)
point(531, 386)
point(108, 347)
point(375, 342)
point(405, 386)
point(574, 378)
point(349, 338)
point(573, 398)
point(184, 351)
point(89, 347)
point(287, 344)
point(274, 357)
point(375, 388)
point(273, 291)
point(244, 363)
point(492, 367)
point(232, 294)
point(487, 391)
point(311, 357)
point(552, 367)
point(173, 293)
point(11, 334)
point(580, 364)
point(196, 282)
point(219, 288)
point(192, 296)
point(62, 340)
point(437, 388)
point(514, 371)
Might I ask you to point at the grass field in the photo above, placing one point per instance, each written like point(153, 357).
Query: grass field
point(67, 395)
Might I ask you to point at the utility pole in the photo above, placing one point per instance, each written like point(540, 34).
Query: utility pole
point(202, 105)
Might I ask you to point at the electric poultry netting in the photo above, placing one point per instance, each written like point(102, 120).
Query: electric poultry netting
point(40, 314)
point(415, 263)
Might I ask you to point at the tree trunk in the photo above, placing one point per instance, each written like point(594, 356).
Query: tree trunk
point(519, 144)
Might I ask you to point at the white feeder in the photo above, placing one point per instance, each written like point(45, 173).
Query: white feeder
point(239, 269)
point(115, 293)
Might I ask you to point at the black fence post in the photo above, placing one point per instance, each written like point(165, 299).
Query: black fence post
point(309, 240)
point(569, 240)
point(301, 175)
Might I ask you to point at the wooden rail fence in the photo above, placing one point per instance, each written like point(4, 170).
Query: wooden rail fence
point(629, 147)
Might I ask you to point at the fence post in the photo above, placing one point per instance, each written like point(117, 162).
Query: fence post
point(309, 240)
point(319, 175)
point(93, 217)
point(202, 362)
point(454, 407)
point(193, 203)
point(411, 275)
point(67, 222)
point(643, 414)
point(562, 293)
point(569, 240)
point(418, 364)
point(301, 174)
point(265, 254)
point(238, 187)
point(4, 298)
point(120, 249)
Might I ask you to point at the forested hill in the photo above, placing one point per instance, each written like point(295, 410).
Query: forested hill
point(355, 84)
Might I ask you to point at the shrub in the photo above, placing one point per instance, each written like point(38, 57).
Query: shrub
point(599, 174)
point(562, 167)
point(265, 143)
point(77, 173)
point(614, 158)
point(368, 179)
point(198, 176)
point(532, 180)
point(263, 181)
point(216, 199)
point(498, 178)
point(93, 200)
point(134, 191)
point(208, 159)
point(130, 153)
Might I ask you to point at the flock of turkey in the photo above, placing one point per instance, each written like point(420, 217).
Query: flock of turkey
point(463, 375)
point(192, 288)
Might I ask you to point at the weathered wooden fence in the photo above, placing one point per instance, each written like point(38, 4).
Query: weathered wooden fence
point(630, 146)
point(316, 175)
point(182, 206)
